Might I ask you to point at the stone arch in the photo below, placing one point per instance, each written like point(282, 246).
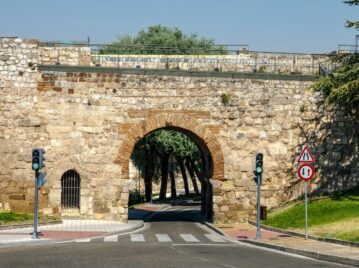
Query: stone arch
point(173, 120)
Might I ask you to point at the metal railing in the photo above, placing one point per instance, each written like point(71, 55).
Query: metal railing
point(347, 48)
point(149, 49)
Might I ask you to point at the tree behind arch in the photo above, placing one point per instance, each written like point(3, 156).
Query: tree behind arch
point(159, 39)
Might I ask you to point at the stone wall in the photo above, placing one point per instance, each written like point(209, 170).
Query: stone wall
point(89, 121)
point(244, 61)
point(18, 122)
point(64, 55)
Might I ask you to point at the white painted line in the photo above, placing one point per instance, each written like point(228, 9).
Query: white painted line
point(189, 238)
point(228, 266)
point(137, 238)
point(163, 238)
point(203, 259)
point(206, 245)
point(83, 240)
point(111, 238)
point(215, 238)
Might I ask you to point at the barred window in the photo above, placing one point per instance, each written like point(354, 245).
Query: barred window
point(70, 189)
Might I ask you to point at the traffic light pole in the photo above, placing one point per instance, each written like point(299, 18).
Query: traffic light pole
point(35, 234)
point(259, 182)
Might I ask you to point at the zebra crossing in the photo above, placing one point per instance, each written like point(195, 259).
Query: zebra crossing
point(160, 238)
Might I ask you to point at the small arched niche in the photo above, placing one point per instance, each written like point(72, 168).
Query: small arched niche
point(70, 190)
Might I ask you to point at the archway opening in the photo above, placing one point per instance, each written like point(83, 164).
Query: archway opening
point(172, 165)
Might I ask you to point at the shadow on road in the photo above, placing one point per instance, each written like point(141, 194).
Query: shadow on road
point(177, 213)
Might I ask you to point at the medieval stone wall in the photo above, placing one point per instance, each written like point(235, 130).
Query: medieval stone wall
point(18, 122)
point(89, 121)
point(244, 61)
point(65, 55)
point(261, 62)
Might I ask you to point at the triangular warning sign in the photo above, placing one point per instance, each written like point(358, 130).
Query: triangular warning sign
point(306, 156)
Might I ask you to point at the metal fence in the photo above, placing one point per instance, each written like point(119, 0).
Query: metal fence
point(348, 48)
point(150, 49)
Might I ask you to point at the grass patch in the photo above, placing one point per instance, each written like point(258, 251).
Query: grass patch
point(330, 209)
point(11, 218)
point(8, 217)
point(350, 236)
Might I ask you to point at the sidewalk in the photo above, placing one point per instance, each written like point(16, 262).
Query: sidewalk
point(69, 229)
point(76, 229)
point(324, 251)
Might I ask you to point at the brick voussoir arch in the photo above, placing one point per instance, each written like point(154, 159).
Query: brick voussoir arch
point(174, 120)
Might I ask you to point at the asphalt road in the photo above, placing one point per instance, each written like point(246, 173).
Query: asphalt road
point(169, 239)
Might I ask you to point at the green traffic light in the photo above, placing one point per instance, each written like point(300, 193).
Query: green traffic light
point(259, 170)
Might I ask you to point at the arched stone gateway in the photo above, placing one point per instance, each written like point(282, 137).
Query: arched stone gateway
point(88, 117)
point(199, 133)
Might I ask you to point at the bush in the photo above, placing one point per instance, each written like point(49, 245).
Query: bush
point(135, 198)
point(226, 97)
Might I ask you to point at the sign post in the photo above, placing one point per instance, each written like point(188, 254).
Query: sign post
point(306, 208)
point(306, 172)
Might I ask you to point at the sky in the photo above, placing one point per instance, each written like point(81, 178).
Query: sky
point(314, 26)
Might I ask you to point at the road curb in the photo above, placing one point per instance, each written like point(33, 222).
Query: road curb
point(217, 230)
point(135, 227)
point(310, 254)
point(292, 233)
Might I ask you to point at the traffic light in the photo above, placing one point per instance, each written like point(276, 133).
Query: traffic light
point(41, 179)
point(38, 158)
point(42, 158)
point(259, 164)
point(35, 159)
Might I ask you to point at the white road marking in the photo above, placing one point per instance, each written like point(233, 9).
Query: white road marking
point(215, 238)
point(111, 238)
point(137, 238)
point(189, 238)
point(163, 238)
point(228, 266)
point(203, 259)
point(83, 240)
point(206, 245)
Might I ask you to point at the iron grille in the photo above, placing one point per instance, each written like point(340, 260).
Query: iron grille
point(70, 189)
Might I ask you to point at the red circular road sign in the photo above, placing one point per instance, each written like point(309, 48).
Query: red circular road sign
point(306, 172)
